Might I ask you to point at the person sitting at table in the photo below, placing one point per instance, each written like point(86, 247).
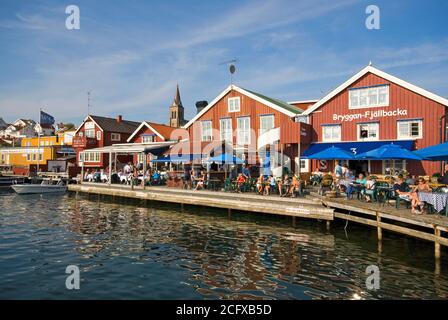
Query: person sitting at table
point(401, 188)
point(156, 177)
point(295, 187)
point(240, 181)
point(286, 184)
point(271, 184)
point(358, 185)
point(369, 189)
point(201, 181)
point(260, 184)
point(416, 204)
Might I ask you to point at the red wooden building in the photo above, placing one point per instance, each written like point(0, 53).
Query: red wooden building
point(148, 132)
point(97, 132)
point(374, 108)
point(254, 125)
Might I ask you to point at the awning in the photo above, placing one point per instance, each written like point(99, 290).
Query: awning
point(178, 158)
point(155, 148)
point(356, 147)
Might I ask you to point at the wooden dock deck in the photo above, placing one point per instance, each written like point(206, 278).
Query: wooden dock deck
point(432, 228)
point(297, 207)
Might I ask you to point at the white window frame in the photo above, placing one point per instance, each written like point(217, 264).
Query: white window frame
point(306, 165)
point(91, 157)
point(90, 133)
point(145, 138)
point(263, 128)
point(392, 162)
point(243, 133)
point(332, 138)
point(409, 124)
point(234, 104)
point(98, 135)
point(226, 133)
point(115, 136)
point(206, 130)
point(358, 131)
point(357, 93)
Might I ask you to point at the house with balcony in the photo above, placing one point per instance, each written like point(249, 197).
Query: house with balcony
point(97, 132)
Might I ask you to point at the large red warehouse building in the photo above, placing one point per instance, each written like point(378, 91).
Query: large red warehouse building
point(373, 108)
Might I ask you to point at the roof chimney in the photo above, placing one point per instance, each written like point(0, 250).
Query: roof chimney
point(200, 105)
point(119, 118)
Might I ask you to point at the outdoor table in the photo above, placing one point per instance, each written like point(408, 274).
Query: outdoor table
point(437, 199)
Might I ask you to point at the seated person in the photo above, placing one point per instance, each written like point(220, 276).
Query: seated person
point(358, 185)
point(201, 181)
point(417, 205)
point(156, 177)
point(401, 188)
point(271, 184)
point(260, 183)
point(295, 187)
point(240, 181)
point(369, 189)
point(410, 180)
point(286, 183)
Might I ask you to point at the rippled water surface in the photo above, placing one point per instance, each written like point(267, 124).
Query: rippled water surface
point(128, 250)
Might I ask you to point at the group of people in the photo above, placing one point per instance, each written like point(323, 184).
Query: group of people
point(265, 185)
point(408, 193)
point(405, 187)
point(129, 174)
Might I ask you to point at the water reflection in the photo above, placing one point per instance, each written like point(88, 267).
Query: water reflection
point(128, 250)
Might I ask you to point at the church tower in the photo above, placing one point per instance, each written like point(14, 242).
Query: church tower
point(177, 111)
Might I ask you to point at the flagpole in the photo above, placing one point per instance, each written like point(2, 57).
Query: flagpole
point(38, 143)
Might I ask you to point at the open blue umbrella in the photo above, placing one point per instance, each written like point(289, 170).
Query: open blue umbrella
point(226, 159)
point(438, 152)
point(388, 152)
point(332, 153)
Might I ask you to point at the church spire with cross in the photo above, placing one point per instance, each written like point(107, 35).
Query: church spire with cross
point(177, 111)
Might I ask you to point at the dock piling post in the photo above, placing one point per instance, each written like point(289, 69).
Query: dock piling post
point(229, 213)
point(294, 222)
point(380, 231)
point(328, 225)
point(437, 252)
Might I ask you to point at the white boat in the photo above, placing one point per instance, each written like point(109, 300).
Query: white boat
point(46, 186)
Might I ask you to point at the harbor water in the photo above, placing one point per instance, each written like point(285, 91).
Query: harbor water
point(129, 249)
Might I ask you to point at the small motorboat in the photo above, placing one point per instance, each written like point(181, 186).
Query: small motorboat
point(47, 186)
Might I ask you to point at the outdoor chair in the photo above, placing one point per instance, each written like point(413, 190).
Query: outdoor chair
point(326, 184)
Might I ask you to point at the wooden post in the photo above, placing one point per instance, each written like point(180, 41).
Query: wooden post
point(294, 222)
point(182, 207)
point(380, 231)
point(110, 167)
point(229, 213)
point(437, 252)
point(328, 225)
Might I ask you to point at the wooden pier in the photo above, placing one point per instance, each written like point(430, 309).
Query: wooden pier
point(296, 208)
point(432, 228)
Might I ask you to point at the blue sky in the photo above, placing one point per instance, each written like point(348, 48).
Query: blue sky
point(131, 54)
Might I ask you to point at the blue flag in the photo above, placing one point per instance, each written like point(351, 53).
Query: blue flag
point(45, 118)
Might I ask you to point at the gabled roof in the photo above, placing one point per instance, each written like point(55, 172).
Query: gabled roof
point(161, 130)
point(111, 124)
point(382, 74)
point(276, 104)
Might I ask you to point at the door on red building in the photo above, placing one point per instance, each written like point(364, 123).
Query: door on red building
point(358, 166)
